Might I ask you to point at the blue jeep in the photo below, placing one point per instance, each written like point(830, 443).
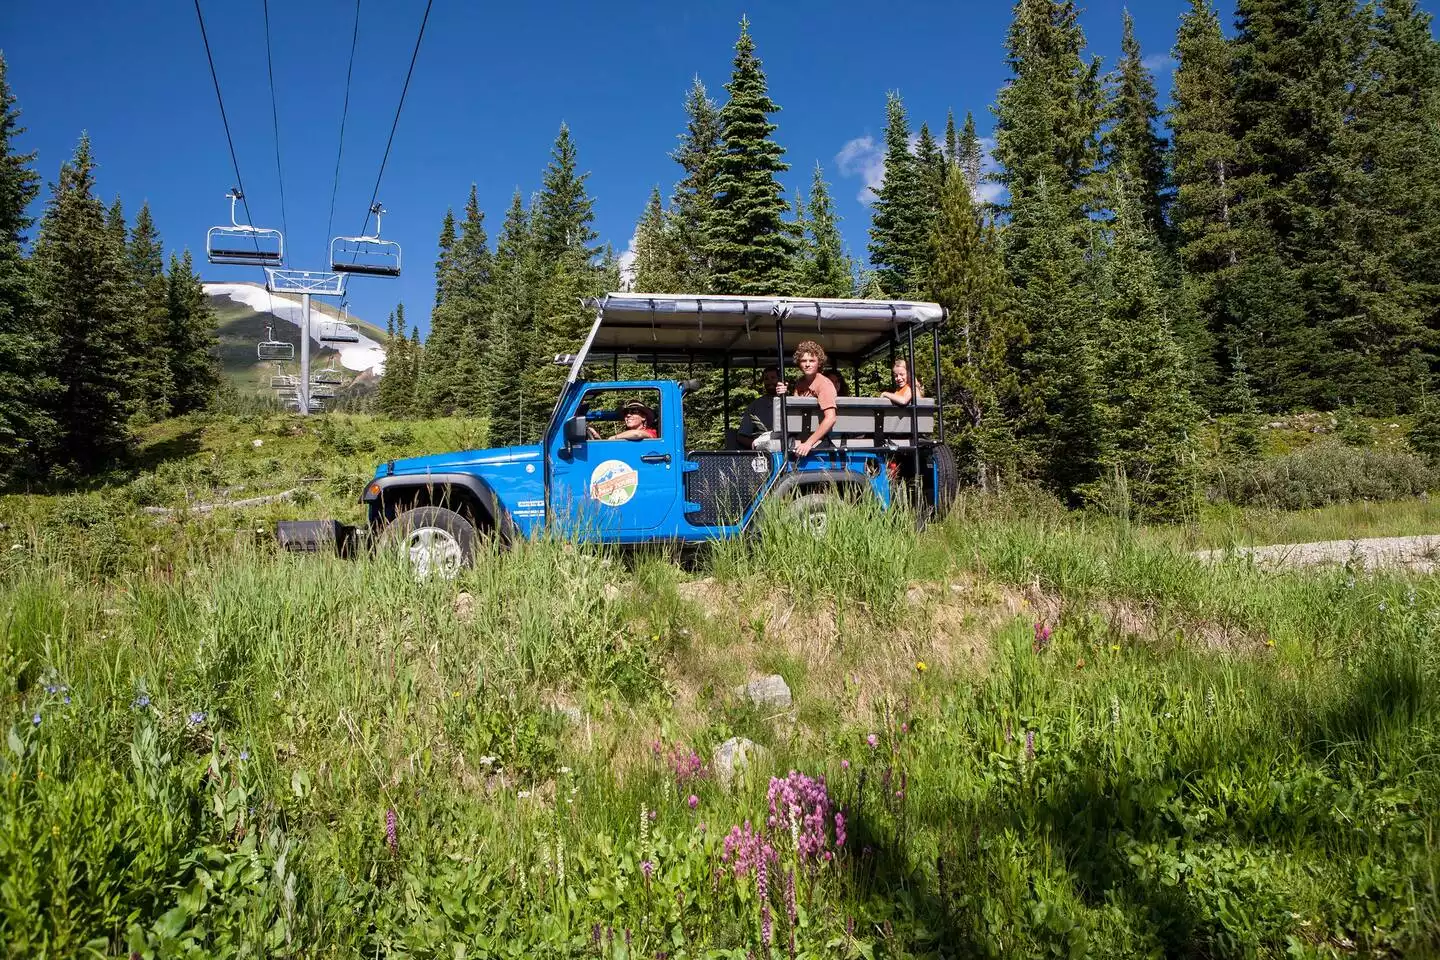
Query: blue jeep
point(582, 484)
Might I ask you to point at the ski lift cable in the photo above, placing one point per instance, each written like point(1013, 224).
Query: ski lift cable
point(275, 117)
point(230, 140)
point(396, 124)
point(344, 112)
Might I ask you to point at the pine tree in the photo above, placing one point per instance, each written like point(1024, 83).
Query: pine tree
point(564, 213)
point(1295, 69)
point(513, 315)
point(900, 221)
point(1240, 430)
point(981, 337)
point(971, 154)
point(194, 364)
point(952, 143)
point(395, 396)
point(442, 262)
point(1383, 287)
point(1048, 116)
point(829, 271)
point(1059, 430)
point(154, 381)
point(694, 199)
point(659, 265)
point(930, 164)
point(748, 240)
point(27, 386)
point(1150, 418)
point(466, 310)
point(88, 309)
point(1135, 151)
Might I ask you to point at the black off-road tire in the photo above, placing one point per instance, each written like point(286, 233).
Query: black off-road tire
point(433, 540)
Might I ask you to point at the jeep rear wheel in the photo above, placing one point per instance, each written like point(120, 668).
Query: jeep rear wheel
point(813, 511)
point(434, 541)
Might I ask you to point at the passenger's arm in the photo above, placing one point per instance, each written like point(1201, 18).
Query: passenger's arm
point(827, 420)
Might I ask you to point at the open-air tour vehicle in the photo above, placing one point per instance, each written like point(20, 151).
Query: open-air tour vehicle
point(583, 482)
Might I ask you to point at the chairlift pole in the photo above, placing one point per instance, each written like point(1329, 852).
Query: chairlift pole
point(304, 354)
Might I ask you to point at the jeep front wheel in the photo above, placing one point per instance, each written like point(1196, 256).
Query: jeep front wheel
point(433, 540)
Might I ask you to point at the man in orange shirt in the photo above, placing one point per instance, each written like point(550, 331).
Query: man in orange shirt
point(810, 358)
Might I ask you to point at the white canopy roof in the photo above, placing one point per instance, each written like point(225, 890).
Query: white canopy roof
point(677, 324)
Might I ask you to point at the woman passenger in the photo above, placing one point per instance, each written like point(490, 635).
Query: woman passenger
point(903, 384)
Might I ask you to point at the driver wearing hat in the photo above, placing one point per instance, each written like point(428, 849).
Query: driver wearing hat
point(639, 423)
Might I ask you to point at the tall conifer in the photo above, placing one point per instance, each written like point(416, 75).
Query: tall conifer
point(88, 309)
point(694, 199)
point(194, 365)
point(659, 262)
point(564, 212)
point(1149, 416)
point(900, 221)
point(27, 384)
point(154, 382)
point(748, 238)
point(829, 271)
point(1136, 151)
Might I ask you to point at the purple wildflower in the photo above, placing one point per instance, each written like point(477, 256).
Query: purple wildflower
point(790, 896)
point(803, 804)
point(653, 814)
point(745, 849)
point(1029, 744)
point(392, 823)
point(1042, 637)
point(873, 741)
point(35, 720)
point(904, 728)
point(694, 801)
point(647, 867)
point(197, 717)
point(141, 702)
point(839, 829)
point(844, 764)
point(244, 755)
point(762, 890)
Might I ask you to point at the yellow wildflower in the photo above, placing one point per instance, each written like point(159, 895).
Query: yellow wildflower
point(921, 666)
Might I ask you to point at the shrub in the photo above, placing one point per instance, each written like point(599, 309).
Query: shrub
point(1323, 473)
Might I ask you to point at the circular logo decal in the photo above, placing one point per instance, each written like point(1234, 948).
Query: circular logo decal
point(760, 465)
point(613, 483)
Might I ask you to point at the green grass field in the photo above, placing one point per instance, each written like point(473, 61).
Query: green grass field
point(1043, 734)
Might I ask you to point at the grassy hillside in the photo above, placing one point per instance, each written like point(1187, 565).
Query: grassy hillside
point(240, 329)
point(1043, 734)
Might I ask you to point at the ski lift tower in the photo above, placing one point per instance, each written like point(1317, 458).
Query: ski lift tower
point(307, 283)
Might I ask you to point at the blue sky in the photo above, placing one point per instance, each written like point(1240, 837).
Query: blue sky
point(493, 84)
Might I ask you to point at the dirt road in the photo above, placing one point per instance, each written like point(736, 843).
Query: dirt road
point(1420, 554)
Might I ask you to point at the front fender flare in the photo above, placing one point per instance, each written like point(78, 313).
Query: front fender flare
point(474, 487)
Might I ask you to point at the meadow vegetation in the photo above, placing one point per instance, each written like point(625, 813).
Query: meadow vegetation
point(1021, 732)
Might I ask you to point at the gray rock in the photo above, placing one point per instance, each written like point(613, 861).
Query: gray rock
point(464, 607)
point(767, 693)
point(734, 757)
point(570, 713)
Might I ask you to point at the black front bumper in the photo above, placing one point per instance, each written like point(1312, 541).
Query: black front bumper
point(318, 536)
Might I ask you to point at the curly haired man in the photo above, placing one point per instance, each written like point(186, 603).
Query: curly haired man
point(810, 358)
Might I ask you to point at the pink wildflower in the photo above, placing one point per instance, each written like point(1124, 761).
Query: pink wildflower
point(873, 740)
point(844, 764)
point(694, 801)
point(392, 823)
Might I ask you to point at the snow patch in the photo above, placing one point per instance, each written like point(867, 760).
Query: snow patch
point(365, 355)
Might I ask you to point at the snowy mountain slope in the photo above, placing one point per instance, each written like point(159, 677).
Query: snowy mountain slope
point(365, 356)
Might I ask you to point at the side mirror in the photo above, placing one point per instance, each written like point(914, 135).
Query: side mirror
point(576, 430)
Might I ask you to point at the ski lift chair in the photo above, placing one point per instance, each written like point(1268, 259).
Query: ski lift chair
point(330, 376)
point(242, 243)
point(272, 349)
point(368, 255)
point(339, 332)
point(320, 391)
point(281, 382)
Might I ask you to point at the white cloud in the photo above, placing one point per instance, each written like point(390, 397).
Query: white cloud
point(864, 158)
point(1159, 63)
point(627, 263)
point(985, 191)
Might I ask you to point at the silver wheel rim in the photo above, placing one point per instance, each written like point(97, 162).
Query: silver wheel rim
point(433, 551)
point(817, 522)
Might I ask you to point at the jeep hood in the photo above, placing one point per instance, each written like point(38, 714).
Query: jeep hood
point(467, 460)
